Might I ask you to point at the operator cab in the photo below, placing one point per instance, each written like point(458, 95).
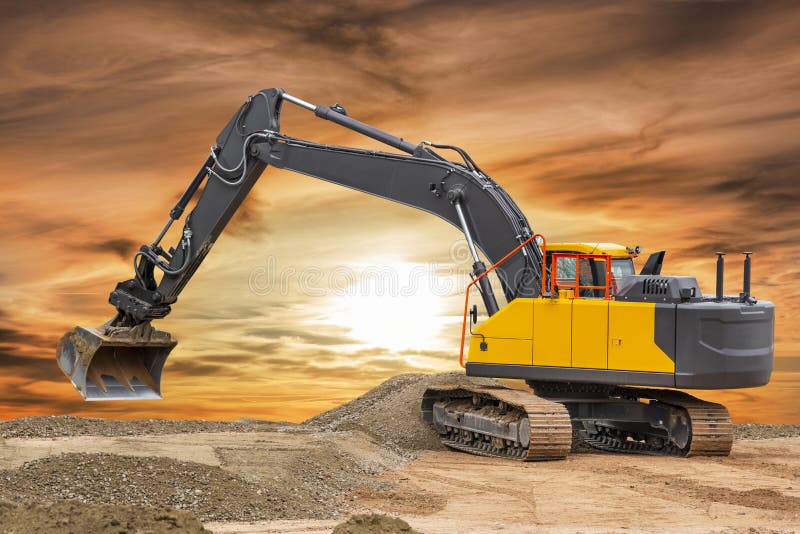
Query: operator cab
point(592, 271)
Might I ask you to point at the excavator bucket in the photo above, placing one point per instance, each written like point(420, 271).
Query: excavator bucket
point(115, 363)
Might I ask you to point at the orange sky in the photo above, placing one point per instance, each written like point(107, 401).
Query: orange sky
point(670, 125)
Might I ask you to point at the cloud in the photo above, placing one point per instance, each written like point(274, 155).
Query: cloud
point(15, 365)
point(201, 368)
point(304, 336)
point(15, 336)
point(122, 247)
point(788, 364)
point(250, 219)
point(673, 125)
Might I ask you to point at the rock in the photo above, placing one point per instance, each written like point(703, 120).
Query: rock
point(67, 517)
point(374, 524)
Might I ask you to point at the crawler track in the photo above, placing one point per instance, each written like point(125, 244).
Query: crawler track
point(542, 428)
point(514, 424)
point(618, 442)
point(711, 427)
point(708, 425)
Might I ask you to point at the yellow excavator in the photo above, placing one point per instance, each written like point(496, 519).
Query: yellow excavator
point(604, 348)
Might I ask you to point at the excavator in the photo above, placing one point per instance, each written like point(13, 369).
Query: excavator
point(604, 351)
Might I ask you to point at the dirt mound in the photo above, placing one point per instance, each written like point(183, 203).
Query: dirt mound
point(261, 477)
point(69, 517)
point(374, 524)
point(308, 479)
point(391, 412)
point(754, 431)
point(67, 425)
point(208, 491)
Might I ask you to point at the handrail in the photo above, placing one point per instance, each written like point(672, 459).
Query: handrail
point(577, 286)
point(490, 269)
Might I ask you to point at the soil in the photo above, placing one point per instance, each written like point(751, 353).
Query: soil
point(67, 425)
point(244, 477)
point(754, 431)
point(390, 412)
point(373, 455)
point(70, 517)
point(208, 491)
point(374, 524)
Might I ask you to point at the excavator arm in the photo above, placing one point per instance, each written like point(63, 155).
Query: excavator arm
point(124, 358)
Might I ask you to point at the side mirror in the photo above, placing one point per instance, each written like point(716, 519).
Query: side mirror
point(473, 314)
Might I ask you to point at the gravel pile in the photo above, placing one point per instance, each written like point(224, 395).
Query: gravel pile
point(391, 412)
point(210, 492)
point(754, 431)
point(71, 517)
point(67, 425)
point(251, 485)
point(374, 524)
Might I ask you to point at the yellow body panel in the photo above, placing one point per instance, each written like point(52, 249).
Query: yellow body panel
point(500, 350)
point(579, 333)
point(508, 335)
point(513, 321)
point(590, 333)
point(552, 332)
point(631, 339)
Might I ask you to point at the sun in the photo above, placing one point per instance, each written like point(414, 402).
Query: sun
point(396, 307)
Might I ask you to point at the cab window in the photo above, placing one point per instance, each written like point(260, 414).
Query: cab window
point(592, 273)
point(622, 267)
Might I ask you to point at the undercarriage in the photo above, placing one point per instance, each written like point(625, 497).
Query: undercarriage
point(546, 424)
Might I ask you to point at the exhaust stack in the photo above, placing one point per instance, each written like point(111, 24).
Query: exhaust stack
point(720, 275)
point(746, 277)
point(115, 363)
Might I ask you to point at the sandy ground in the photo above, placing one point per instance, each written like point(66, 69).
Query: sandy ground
point(758, 486)
point(373, 455)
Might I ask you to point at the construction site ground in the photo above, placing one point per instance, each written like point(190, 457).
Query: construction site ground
point(373, 455)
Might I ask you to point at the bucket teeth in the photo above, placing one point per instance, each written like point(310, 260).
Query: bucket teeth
point(115, 363)
point(96, 376)
point(121, 369)
point(134, 367)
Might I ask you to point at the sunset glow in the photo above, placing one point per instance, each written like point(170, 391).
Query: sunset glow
point(670, 125)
